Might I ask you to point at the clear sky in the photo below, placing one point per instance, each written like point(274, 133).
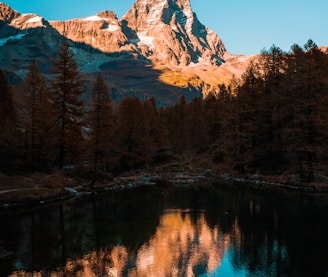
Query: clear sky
point(245, 26)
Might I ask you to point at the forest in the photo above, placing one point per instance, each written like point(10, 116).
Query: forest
point(271, 121)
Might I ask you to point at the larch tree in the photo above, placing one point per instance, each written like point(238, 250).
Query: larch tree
point(197, 131)
point(226, 114)
point(177, 126)
point(245, 108)
point(211, 116)
point(132, 133)
point(274, 67)
point(100, 125)
point(308, 87)
point(158, 136)
point(68, 107)
point(37, 116)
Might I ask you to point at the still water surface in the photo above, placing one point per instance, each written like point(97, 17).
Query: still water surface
point(217, 231)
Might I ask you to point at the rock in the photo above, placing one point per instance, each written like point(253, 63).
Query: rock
point(208, 173)
point(73, 191)
point(172, 33)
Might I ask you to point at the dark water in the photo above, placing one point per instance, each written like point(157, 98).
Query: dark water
point(170, 232)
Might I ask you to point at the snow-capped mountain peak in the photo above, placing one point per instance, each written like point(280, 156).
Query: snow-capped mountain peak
point(18, 20)
point(177, 35)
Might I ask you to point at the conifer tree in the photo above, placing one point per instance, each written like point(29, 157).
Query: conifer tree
point(245, 123)
point(101, 125)
point(37, 116)
point(177, 126)
point(211, 115)
point(133, 132)
point(68, 107)
point(158, 136)
point(274, 67)
point(307, 73)
point(226, 113)
point(195, 122)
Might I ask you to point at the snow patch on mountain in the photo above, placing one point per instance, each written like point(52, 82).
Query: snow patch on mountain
point(3, 41)
point(27, 20)
point(90, 63)
point(155, 12)
point(34, 19)
point(93, 18)
point(112, 28)
point(146, 40)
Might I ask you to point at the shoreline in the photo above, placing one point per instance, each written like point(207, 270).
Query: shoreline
point(261, 183)
point(8, 201)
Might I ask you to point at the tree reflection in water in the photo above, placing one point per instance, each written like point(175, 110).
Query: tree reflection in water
point(182, 232)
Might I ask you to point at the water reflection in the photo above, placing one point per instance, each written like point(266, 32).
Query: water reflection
point(183, 245)
point(172, 233)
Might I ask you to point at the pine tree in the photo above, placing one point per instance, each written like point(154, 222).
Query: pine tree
point(101, 126)
point(68, 107)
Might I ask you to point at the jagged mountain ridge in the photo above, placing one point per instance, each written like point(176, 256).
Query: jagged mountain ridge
point(172, 31)
point(158, 48)
point(164, 31)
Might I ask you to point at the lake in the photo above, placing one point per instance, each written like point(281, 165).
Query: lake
point(214, 230)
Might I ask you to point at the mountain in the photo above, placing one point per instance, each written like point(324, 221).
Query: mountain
point(157, 49)
point(170, 33)
point(24, 37)
point(164, 31)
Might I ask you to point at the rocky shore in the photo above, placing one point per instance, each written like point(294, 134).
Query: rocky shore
point(40, 189)
point(260, 183)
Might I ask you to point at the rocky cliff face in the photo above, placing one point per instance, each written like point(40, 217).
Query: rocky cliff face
point(171, 33)
point(14, 19)
point(7, 14)
point(102, 31)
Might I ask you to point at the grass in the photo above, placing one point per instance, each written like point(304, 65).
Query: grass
point(29, 195)
point(36, 186)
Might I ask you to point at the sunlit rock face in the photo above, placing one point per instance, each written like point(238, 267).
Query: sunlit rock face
point(102, 31)
point(178, 238)
point(164, 31)
point(20, 21)
point(171, 33)
point(7, 14)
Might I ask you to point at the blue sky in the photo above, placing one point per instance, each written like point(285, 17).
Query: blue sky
point(246, 27)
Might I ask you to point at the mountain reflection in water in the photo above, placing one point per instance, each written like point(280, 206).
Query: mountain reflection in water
point(171, 232)
point(182, 242)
